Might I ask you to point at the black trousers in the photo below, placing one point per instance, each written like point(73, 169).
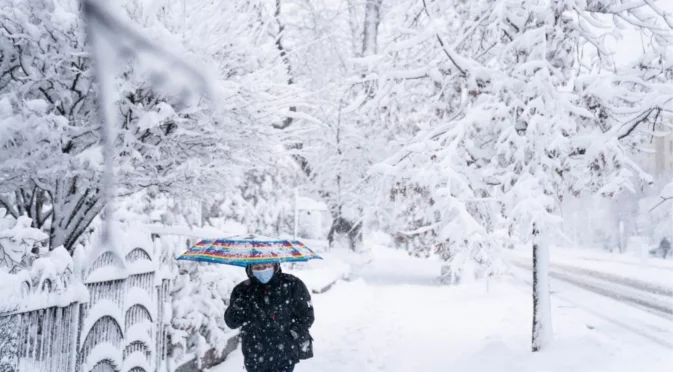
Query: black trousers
point(289, 367)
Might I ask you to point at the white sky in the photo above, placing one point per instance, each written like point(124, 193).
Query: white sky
point(627, 49)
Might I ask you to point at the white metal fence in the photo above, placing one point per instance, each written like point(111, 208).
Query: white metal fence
point(121, 328)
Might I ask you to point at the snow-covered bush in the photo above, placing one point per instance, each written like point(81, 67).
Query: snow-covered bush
point(199, 298)
point(30, 280)
point(17, 239)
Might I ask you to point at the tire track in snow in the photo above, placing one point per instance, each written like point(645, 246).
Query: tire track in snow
point(657, 308)
point(648, 265)
point(609, 288)
point(633, 283)
point(602, 315)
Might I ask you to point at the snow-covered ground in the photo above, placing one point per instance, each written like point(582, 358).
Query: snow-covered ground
point(320, 274)
point(395, 317)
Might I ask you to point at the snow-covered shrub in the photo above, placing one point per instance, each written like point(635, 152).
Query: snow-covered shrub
point(32, 281)
point(17, 239)
point(199, 298)
point(10, 326)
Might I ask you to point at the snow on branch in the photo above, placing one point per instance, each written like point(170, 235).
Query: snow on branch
point(665, 195)
point(505, 107)
point(168, 133)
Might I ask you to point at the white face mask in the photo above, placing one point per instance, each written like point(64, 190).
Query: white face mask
point(263, 275)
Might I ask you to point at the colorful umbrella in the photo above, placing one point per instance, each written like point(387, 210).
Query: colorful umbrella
point(249, 250)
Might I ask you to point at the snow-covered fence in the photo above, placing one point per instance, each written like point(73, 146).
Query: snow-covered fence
point(39, 314)
point(39, 340)
point(116, 320)
point(112, 311)
point(123, 324)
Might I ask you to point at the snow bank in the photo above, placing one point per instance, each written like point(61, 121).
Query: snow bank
point(318, 275)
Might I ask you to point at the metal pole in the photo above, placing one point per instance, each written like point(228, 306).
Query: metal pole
point(296, 213)
point(622, 247)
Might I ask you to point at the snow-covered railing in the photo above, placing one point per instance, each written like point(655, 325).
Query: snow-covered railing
point(39, 315)
point(39, 302)
point(123, 323)
point(103, 311)
point(39, 340)
point(112, 318)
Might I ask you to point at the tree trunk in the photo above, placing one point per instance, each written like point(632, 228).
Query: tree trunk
point(73, 212)
point(67, 208)
point(286, 61)
point(341, 225)
point(371, 29)
point(344, 227)
point(542, 325)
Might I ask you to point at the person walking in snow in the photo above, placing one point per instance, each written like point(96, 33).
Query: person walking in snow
point(275, 313)
point(664, 248)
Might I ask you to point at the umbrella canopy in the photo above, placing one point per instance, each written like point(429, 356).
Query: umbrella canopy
point(248, 251)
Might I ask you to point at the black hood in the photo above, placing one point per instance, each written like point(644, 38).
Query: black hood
point(276, 270)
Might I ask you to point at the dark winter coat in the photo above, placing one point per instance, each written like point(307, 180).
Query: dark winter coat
point(275, 318)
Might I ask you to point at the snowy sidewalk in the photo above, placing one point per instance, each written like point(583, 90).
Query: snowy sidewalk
point(394, 318)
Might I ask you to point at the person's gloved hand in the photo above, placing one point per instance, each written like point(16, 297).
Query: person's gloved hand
point(257, 314)
point(299, 336)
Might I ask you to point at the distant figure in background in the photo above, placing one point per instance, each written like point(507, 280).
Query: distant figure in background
point(664, 248)
point(275, 312)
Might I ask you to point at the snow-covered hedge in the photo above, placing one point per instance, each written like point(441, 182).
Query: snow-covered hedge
point(200, 296)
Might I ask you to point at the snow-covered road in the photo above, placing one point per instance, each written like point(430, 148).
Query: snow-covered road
point(632, 306)
point(395, 318)
point(653, 298)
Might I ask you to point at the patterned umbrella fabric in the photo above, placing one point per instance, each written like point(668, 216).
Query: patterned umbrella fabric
point(250, 250)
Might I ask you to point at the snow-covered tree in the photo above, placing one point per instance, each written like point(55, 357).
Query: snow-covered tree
point(168, 135)
point(513, 112)
point(261, 200)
